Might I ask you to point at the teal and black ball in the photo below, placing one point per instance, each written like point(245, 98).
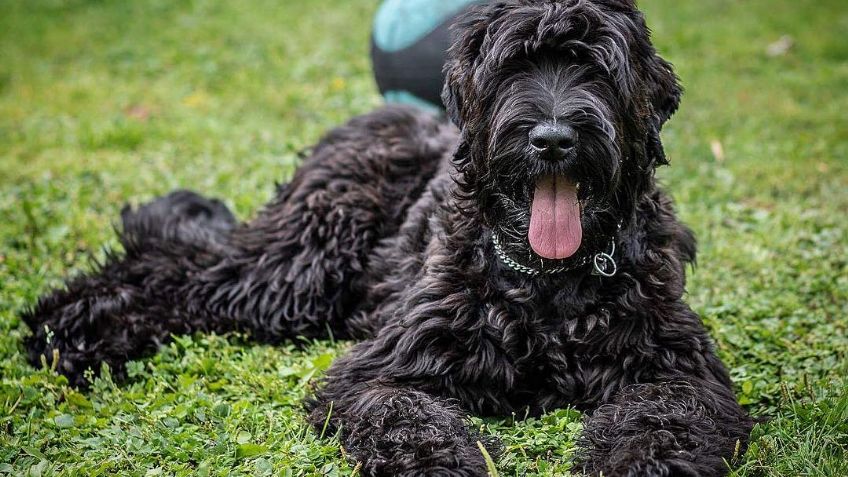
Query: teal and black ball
point(408, 47)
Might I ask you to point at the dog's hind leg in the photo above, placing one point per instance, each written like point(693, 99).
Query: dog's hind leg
point(300, 264)
point(127, 306)
point(295, 270)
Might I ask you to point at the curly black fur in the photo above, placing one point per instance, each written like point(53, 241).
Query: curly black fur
point(385, 233)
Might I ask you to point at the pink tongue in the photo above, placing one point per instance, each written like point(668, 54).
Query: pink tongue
point(555, 229)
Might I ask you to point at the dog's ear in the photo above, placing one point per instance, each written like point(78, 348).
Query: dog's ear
point(663, 92)
point(454, 92)
point(663, 87)
point(467, 35)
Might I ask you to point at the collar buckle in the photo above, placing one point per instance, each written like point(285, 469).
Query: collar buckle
point(603, 263)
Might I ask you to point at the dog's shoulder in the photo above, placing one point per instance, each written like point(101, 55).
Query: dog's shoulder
point(661, 230)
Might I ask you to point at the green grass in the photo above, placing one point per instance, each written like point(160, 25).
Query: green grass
point(108, 101)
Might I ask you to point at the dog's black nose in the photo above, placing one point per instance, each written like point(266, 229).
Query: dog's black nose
point(553, 138)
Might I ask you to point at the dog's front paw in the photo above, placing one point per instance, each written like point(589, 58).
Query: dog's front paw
point(636, 464)
point(433, 460)
point(424, 456)
point(391, 431)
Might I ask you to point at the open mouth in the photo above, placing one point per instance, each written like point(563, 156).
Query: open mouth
point(556, 230)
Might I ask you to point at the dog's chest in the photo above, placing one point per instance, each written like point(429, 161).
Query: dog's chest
point(543, 353)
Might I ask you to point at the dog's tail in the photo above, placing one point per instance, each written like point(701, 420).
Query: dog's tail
point(183, 217)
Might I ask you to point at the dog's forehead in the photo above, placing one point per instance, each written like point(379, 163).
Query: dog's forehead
point(600, 31)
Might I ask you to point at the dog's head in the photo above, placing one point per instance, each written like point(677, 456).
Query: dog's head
point(560, 103)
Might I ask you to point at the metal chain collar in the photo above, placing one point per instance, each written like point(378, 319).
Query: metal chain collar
point(603, 263)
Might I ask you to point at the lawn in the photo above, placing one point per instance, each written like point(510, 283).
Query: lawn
point(104, 102)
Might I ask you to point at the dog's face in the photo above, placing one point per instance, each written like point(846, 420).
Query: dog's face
point(560, 105)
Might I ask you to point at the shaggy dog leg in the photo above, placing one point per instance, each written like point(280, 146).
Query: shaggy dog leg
point(292, 271)
point(299, 264)
point(682, 427)
point(397, 431)
point(125, 308)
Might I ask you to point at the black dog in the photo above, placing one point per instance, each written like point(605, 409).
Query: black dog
point(528, 263)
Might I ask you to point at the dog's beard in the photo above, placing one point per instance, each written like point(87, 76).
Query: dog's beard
point(547, 211)
point(554, 214)
point(581, 226)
